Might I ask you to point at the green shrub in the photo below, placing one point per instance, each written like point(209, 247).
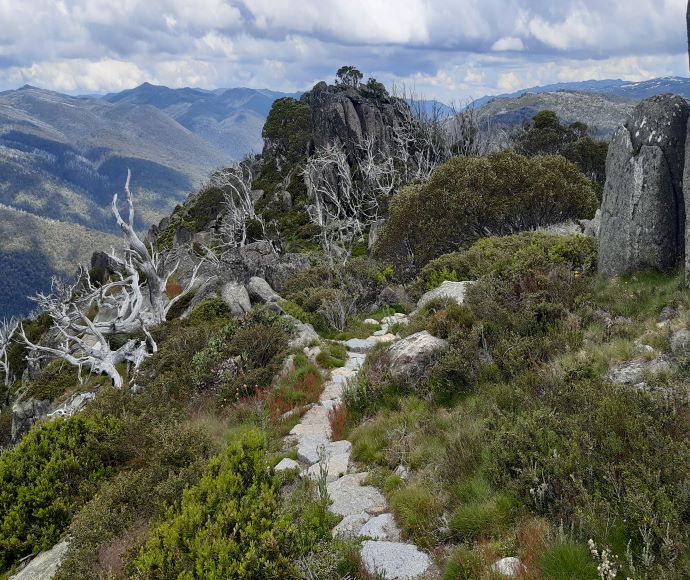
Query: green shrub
point(469, 196)
point(107, 531)
point(56, 468)
point(463, 564)
point(54, 380)
point(227, 526)
point(510, 257)
point(210, 310)
point(332, 355)
point(567, 560)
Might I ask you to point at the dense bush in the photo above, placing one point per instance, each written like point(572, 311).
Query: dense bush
point(469, 198)
point(53, 381)
point(510, 257)
point(243, 356)
point(547, 136)
point(229, 525)
point(613, 461)
point(55, 469)
point(103, 544)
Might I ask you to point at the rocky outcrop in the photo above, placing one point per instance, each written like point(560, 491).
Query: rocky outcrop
point(25, 414)
point(347, 115)
point(643, 211)
point(45, 565)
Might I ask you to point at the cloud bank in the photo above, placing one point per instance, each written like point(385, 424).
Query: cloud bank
point(447, 49)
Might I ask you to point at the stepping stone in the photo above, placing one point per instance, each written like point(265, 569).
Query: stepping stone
point(286, 464)
point(384, 330)
point(344, 372)
point(314, 424)
point(350, 497)
point(354, 363)
point(329, 404)
point(308, 449)
point(381, 527)
point(371, 322)
point(394, 560)
point(359, 345)
point(336, 465)
point(350, 526)
point(332, 390)
point(382, 338)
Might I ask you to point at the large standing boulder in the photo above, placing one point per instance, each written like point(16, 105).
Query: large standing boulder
point(409, 358)
point(235, 295)
point(643, 211)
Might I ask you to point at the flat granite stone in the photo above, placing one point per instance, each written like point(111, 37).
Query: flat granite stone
point(382, 338)
point(286, 464)
point(343, 373)
point(381, 527)
point(332, 390)
point(314, 424)
point(351, 525)
point(350, 497)
point(336, 466)
point(308, 449)
point(394, 560)
point(359, 345)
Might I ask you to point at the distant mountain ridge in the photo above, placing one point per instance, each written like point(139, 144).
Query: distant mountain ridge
point(229, 119)
point(636, 91)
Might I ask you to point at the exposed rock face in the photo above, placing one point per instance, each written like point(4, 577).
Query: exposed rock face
point(347, 115)
point(643, 212)
point(25, 414)
point(45, 565)
point(410, 357)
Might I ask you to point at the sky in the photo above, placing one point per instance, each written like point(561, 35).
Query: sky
point(451, 50)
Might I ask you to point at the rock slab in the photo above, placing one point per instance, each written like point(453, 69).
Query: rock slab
point(393, 560)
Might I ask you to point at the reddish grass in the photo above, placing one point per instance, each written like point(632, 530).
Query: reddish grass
point(532, 539)
point(173, 288)
point(337, 417)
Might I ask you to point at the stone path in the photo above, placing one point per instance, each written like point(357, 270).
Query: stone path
point(363, 507)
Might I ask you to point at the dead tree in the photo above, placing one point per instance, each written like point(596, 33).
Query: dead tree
point(84, 314)
point(236, 184)
point(138, 257)
point(91, 350)
point(341, 207)
point(7, 331)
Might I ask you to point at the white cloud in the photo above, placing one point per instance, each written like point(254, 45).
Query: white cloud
point(449, 49)
point(508, 43)
point(509, 81)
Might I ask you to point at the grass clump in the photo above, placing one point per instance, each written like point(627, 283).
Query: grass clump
point(567, 560)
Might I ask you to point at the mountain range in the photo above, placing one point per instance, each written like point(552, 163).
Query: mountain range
point(62, 157)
